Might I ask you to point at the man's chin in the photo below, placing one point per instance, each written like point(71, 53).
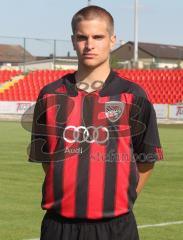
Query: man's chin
point(91, 65)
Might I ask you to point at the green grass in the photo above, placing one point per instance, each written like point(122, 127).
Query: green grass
point(21, 182)
point(162, 198)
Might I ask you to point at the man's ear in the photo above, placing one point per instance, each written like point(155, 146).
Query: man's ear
point(113, 41)
point(73, 41)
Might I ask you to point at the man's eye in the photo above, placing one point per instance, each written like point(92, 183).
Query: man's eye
point(81, 38)
point(98, 37)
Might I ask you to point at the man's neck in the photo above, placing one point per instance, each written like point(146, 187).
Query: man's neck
point(89, 76)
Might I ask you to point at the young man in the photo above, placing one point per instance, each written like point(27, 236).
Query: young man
point(96, 136)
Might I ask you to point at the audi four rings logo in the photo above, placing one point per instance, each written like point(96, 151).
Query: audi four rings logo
point(89, 134)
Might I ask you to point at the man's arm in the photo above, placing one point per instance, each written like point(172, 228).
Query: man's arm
point(45, 167)
point(145, 170)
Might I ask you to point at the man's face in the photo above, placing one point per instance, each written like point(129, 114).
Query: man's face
point(93, 43)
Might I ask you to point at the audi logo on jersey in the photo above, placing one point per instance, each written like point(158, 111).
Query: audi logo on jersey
point(51, 126)
point(88, 134)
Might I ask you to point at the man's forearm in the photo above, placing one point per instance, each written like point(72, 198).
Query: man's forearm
point(145, 170)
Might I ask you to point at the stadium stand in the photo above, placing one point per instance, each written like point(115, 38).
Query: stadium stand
point(162, 86)
point(6, 75)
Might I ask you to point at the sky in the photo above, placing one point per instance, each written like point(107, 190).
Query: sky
point(159, 21)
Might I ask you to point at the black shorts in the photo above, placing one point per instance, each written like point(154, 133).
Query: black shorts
point(55, 227)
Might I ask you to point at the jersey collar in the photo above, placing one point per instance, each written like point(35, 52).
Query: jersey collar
point(70, 83)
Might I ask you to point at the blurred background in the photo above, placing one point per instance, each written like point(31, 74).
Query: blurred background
point(36, 49)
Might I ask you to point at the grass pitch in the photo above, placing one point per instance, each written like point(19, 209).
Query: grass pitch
point(20, 188)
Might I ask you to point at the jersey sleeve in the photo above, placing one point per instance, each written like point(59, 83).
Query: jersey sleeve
point(39, 143)
point(145, 136)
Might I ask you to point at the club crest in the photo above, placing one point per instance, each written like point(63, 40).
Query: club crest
point(114, 110)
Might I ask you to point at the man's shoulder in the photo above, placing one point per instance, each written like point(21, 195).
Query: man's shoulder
point(129, 86)
point(56, 86)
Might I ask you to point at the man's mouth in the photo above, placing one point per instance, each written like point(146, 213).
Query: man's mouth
point(89, 55)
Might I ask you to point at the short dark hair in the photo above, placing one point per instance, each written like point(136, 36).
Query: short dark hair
point(90, 13)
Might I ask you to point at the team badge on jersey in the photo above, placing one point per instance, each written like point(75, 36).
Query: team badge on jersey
point(114, 110)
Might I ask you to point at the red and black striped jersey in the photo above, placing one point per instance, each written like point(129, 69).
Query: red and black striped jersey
point(92, 143)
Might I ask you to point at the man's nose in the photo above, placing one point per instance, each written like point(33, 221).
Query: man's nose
point(89, 44)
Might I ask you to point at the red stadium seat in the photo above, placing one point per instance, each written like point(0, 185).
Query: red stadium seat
point(162, 86)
